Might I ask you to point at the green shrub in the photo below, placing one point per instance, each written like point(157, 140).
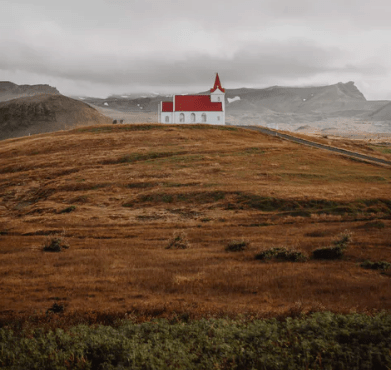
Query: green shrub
point(336, 251)
point(178, 241)
point(68, 209)
point(282, 254)
point(237, 245)
point(319, 341)
point(380, 265)
point(55, 244)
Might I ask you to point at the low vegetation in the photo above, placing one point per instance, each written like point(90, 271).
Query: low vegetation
point(379, 265)
point(237, 245)
point(319, 341)
point(179, 240)
point(281, 254)
point(54, 244)
point(68, 209)
point(373, 225)
point(336, 251)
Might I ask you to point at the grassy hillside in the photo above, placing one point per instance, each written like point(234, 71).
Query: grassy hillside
point(117, 196)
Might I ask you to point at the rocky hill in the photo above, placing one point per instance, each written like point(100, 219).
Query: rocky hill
point(45, 113)
point(9, 90)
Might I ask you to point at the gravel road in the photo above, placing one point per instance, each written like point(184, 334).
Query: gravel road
point(320, 146)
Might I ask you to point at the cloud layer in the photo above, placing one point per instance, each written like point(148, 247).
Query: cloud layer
point(101, 47)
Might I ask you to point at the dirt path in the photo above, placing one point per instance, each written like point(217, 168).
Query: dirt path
point(320, 146)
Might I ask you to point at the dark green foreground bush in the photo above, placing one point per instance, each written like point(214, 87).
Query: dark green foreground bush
point(320, 341)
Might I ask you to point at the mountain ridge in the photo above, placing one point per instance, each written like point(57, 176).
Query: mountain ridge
point(10, 90)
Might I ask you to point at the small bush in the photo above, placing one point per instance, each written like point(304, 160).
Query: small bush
point(380, 265)
point(282, 254)
point(56, 308)
point(55, 244)
point(237, 246)
point(68, 209)
point(336, 251)
point(178, 241)
point(328, 253)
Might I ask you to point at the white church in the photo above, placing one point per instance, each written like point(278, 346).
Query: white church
point(208, 109)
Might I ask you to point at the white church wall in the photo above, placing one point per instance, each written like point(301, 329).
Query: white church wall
point(166, 117)
point(213, 118)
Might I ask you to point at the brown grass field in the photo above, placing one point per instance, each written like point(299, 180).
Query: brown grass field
point(133, 186)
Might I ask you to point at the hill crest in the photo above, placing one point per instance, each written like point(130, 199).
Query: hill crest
point(45, 113)
point(10, 90)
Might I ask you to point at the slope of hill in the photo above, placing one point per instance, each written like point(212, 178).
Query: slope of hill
point(45, 113)
point(381, 114)
point(9, 90)
point(148, 212)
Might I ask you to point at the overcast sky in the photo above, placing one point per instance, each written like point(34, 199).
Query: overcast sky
point(100, 47)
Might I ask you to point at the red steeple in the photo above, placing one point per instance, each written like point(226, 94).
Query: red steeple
point(217, 85)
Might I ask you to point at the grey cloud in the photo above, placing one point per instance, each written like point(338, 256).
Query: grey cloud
point(252, 64)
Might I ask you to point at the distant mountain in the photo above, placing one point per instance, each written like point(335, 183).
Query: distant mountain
point(381, 114)
point(269, 105)
point(45, 113)
point(125, 104)
point(304, 100)
point(9, 90)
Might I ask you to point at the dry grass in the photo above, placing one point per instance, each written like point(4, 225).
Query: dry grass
point(134, 186)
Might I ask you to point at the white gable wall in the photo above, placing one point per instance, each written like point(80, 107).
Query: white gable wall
point(218, 96)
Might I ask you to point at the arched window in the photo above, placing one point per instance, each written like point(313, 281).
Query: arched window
point(203, 117)
point(192, 117)
point(218, 99)
point(182, 117)
point(167, 119)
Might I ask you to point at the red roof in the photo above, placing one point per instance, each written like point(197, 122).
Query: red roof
point(196, 103)
point(167, 106)
point(217, 85)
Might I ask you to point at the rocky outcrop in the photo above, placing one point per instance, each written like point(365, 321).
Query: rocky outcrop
point(9, 90)
point(45, 113)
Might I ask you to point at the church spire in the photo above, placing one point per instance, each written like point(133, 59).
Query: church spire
point(217, 85)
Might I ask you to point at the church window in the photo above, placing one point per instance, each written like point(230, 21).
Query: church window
point(218, 99)
point(167, 119)
point(203, 117)
point(182, 117)
point(218, 118)
point(192, 117)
